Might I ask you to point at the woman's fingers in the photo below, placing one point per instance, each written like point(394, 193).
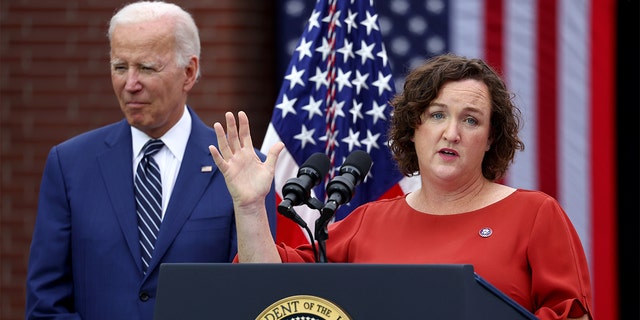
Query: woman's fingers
point(236, 138)
point(274, 152)
point(232, 133)
point(244, 130)
point(223, 149)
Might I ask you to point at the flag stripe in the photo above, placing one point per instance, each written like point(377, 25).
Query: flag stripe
point(547, 95)
point(467, 27)
point(494, 22)
point(520, 75)
point(573, 117)
point(602, 137)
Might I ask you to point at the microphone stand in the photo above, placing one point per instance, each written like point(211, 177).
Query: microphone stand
point(322, 234)
point(286, 209)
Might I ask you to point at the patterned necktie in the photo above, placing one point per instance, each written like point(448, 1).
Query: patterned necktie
point(148, 189)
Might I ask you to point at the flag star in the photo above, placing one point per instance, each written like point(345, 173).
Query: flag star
point(350, 21)
point(304, 49)
point(360, 81)
point(286, 105)
point(352, 139)
point(325, 49)
point(382, 83)
point(295, 77)
point(377, 112)
point(356, 111)
point(313, 107)
point(365, 51)
point(371, 141)
point(320, 78)
point(371, 22)
point(343, 79)
point(383, 55)
point(435, 7)
point(337, 109)
point(313, 20)
point(305, 136)
point(369, 174)
point(330, 138)
point(335, 19)
point(346, 50)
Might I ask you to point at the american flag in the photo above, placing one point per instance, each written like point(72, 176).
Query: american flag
point(335, 99)
point(555, 55)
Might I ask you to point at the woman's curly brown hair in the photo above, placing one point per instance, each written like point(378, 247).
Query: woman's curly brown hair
point(422, 86)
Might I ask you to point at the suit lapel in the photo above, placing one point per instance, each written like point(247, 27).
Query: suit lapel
point(190, 185)
point(117, 172)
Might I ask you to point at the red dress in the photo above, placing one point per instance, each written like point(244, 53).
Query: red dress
point(524, 245)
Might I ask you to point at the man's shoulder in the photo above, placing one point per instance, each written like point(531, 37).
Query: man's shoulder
point(95, 136)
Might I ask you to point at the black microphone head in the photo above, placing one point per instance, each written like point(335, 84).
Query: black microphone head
point(311, 173)
point(359, 160)
point(317, 164)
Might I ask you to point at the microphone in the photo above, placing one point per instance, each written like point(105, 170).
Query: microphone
point(297, 191)
point(341, 188)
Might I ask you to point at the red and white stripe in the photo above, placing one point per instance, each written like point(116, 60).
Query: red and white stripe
point(557, 56)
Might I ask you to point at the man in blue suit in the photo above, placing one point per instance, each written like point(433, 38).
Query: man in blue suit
point(86, 259)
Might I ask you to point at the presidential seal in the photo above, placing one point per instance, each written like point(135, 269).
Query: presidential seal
point(303, 307)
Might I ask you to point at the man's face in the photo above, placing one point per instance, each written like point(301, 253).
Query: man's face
point(150, 87)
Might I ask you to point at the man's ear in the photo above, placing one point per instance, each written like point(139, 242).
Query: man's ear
point(191, 73)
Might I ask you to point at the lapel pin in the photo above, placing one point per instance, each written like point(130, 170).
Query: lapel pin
point(485, 232)
point(206, 169)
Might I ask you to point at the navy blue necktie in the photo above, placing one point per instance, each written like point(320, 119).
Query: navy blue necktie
point(148, 190)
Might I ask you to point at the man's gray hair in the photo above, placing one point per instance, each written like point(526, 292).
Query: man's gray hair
point(186, 31)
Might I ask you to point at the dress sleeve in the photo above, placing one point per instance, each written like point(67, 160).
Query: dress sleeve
point(560, 275)
point(302, 253)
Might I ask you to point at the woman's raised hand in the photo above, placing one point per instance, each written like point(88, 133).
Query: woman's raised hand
point(247, 177)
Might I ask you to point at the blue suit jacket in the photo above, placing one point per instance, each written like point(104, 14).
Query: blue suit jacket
point(85, 256)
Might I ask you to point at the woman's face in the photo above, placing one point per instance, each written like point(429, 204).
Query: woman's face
point(454, 133)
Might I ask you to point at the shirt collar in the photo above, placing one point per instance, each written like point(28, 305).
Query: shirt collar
point(175, 139)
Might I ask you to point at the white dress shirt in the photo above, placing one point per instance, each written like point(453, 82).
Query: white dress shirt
point(169, 157)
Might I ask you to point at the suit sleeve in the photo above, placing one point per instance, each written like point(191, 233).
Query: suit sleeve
point(49, 279)
point(270, 203)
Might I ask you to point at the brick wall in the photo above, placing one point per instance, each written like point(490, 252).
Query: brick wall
point(55, 83)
